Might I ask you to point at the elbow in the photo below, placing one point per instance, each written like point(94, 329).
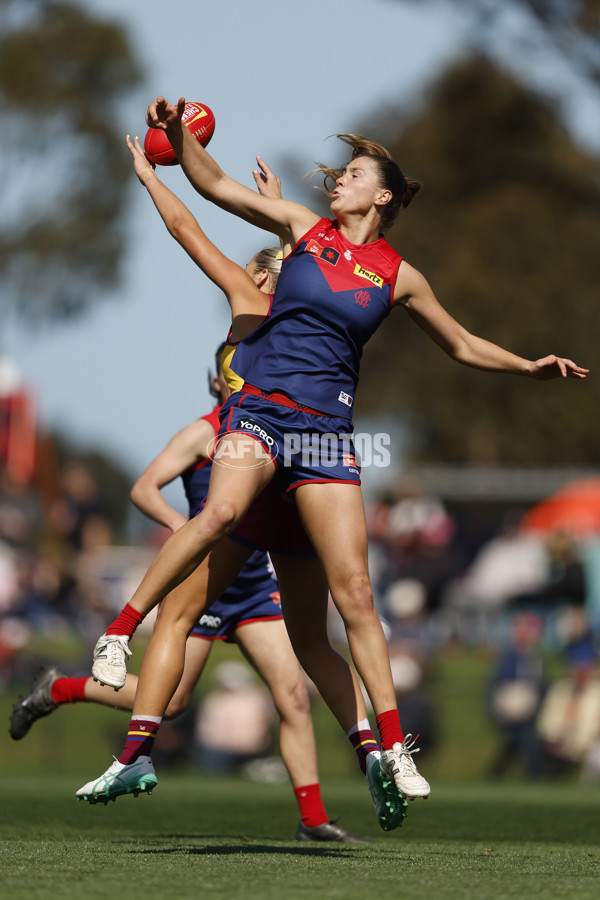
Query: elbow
point(461, 351)
point(135, 494)
point(177, 226)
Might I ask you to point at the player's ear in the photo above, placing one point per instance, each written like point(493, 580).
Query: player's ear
point(261, 277)
point(383, 197)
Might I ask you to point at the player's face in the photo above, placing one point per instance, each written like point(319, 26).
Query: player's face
point(357, 188)
point(260, 277)
point(252, 270)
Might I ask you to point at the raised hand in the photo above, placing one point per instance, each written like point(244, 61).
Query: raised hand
point(267, 182)
point(140, 161)
point(161, 114)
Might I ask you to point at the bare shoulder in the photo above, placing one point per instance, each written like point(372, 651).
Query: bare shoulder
point(410, 284)
point(302, 219)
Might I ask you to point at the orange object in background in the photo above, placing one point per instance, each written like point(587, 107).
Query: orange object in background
point(574, 509)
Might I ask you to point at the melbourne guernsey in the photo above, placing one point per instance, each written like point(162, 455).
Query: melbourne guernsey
point(331, 297)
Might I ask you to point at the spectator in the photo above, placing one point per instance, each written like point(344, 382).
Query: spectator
point(235, 721)
point(516, 690)
point(569, 719)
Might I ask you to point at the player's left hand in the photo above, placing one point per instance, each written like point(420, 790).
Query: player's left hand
point(267, 182)
point(556, 367)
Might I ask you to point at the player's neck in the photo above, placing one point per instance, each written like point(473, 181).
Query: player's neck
point(361, 229)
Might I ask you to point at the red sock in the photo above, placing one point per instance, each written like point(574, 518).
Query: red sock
point(126, 622)
point(140, 739)
point(390, 731)
point(68, 690)
point(312, 811)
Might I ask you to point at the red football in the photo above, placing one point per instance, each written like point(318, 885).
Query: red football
point(199, 119)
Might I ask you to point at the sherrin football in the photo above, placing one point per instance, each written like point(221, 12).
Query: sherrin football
point(198, 117)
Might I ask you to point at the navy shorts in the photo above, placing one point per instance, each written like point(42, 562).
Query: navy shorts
point(220, 622)
point(307, 447)
point(272, 524)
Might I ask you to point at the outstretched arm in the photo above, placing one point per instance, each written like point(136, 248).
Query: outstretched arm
point(414, 293)
point(188, 447)
point(241, 291)
point(276, 215)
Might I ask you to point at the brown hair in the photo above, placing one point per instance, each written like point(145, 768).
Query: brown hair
point(391, 177)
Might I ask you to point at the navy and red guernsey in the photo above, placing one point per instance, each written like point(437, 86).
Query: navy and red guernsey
point(331, 297)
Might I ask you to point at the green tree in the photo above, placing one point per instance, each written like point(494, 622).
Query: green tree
point(571, 28)
point(507, 230)
point(63, 74)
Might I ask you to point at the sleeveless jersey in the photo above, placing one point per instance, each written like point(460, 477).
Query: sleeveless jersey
point(331, 297)
point(234, 382)
point(258, 568)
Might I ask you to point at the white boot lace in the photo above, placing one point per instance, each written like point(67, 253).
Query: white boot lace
point(117, 646)
point(406, 763)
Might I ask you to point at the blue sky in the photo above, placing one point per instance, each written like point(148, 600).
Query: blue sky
point(280, 79)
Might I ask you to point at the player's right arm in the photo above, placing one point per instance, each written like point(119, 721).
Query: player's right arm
point(279, 216)
point(188, 447)
point(243, 295)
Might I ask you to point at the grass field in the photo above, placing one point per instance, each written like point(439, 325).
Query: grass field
point(231, 838)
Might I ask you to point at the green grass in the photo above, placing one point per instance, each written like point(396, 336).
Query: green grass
point(230, 838)
point(456, 687)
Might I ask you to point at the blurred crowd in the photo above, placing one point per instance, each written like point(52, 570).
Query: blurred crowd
point(62, 574)
point(528, 600)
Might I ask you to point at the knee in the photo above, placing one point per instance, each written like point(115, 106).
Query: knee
point(293, 701)
point(355, 594)
point(174, 621)
point(219, 518)
point(354, 598)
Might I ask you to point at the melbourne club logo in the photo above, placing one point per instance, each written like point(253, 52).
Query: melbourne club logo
point(363, 298)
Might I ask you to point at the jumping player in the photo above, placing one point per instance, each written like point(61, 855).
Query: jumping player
point(339, 283)
point(272, 524)
point(248, 613)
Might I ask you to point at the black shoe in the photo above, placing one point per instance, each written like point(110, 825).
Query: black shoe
point(328, 831)
point(34, 705)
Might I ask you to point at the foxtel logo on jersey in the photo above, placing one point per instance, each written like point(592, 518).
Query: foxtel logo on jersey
point(364, 273)
point(346, 398)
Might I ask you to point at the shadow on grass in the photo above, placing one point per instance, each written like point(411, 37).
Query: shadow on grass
point(243, 845)
point(249, 849)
